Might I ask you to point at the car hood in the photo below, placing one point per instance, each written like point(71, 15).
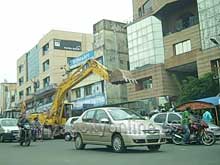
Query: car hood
point(138, 124)
point(10, 128)
point(213, 126)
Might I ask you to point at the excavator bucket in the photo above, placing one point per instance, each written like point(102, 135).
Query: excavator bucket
point(119, 76)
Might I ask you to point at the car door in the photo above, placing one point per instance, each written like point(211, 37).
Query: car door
point(102, 133)
point(87, 125)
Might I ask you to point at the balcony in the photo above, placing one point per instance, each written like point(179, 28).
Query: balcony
point(48, 89)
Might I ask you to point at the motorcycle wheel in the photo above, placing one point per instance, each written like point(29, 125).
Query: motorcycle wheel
point(177, 139)
point(208, 138)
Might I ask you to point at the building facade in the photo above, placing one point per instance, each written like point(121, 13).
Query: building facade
point(169, 40)
point(7, 96)
point(110, 49)
point(41, 69)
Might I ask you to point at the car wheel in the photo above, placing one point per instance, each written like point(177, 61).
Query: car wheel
point(154, 147)
point(79, 142)
point(2, 138)
point(118, 143)
point(67, 137)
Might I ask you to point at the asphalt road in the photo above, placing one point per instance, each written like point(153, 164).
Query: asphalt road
point(59, 152)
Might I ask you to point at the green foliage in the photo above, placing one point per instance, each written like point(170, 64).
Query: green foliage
point(193, 88)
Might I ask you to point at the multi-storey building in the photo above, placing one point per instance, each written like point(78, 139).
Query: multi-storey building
point(7, 96)
point(39, 70)
point(110, 49)
point(168, 40)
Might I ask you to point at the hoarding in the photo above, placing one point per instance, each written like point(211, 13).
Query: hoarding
point(67, 45)
point(76, 61)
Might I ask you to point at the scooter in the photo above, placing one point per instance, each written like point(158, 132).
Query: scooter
point(25, 135)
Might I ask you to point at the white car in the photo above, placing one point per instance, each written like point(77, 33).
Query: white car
point(8, 129)
point(68, 135)
point(173, 118)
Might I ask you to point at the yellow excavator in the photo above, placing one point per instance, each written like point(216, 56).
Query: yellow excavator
point(55, 118)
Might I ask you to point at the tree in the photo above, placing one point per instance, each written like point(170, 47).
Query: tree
point(193, 88)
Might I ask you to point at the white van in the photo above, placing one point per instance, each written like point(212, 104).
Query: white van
point(8, 129)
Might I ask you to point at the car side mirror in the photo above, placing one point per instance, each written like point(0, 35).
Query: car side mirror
point(104, 121)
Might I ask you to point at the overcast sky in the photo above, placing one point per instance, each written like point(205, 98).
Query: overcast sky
point(25, 22)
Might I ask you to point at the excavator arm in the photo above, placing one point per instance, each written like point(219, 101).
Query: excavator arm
point(83, 71)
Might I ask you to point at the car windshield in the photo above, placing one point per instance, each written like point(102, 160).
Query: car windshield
point(9, 122)
point(124, 114)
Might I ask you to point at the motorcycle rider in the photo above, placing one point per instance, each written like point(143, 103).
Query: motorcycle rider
point(36, 125)
point(186, 119)
point(21, 122)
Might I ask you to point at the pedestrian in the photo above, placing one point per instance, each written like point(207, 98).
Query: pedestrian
point(207, 117)
point(185, 124)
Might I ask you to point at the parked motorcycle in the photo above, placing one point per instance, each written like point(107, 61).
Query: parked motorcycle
point(198, 134)
point(25, 135)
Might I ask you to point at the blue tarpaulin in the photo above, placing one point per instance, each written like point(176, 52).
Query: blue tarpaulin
point(212, 100)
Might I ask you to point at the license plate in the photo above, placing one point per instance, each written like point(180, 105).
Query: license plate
point(153, 137)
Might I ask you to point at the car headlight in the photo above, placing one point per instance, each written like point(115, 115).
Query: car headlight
point(7, 131)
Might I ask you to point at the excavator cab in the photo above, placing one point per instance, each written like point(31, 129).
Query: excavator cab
point(67, 110)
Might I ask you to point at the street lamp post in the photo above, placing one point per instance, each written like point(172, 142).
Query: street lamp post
point(217, 62)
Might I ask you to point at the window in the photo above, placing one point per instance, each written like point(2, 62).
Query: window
point(12, 98)
point(173, 118)
point(88, 117)
point(145, 83)
point(6, 89)
point(100, 59)
point(21, 81)
point(215, 65)
point(78, 93)
point(182, 47)
point(88, 90)
point(28, 91)
point(21, 94)
point(161, 118)
point(45, 49)
point(20, 68)
point(46, 65)
point(147, 7)
point(140, 13)
point(100, 114)
point(185, 21)
point(46, 81)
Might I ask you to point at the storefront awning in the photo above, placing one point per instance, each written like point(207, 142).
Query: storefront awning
point(205, 103)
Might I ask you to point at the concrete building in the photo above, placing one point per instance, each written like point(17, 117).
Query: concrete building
point(110, 49)
point(168, 40)
point(39, 70)
point(7, 96)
